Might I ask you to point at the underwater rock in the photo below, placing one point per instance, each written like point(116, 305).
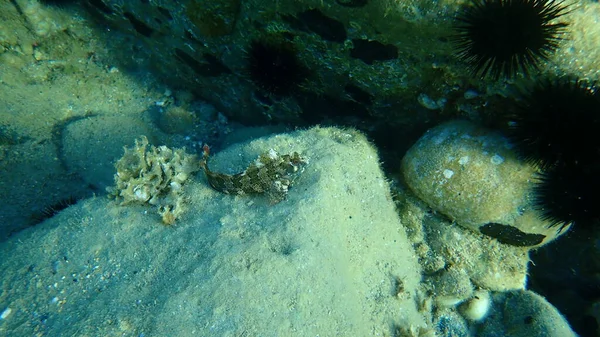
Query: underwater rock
point(175, 119)
point(472, 175)
point(470, 260)
point(477, 307)
point(523, 313)
point(326, 261)
point(451, 286)
point(450, 323)
point(479, 281)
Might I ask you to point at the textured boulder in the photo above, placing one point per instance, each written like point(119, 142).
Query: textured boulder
point(331, 259)
point(473, 176)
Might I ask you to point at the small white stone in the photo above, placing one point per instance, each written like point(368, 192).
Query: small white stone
point(448, 173)
point(272, 154)
point(38, 55)
point(175, 186)
point(141, 193)
point(497, 159)
point(477, 308)
point(448, 301)
point(5, 313)
point(470, 94)
point(463, 160)
point(180, 177)
point(427, 102)
point(441, 103)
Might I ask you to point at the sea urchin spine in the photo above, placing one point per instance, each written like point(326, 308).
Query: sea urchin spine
point(556, 122)
point(555, 127)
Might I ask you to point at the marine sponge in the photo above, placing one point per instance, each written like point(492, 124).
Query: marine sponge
point(154, 175)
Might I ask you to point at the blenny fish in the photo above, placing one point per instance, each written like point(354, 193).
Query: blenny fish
point(270, 174)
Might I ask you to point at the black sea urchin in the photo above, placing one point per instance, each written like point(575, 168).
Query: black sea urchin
point(274, 66)
point(557, 122)
point(503, 37)
point(568, 194)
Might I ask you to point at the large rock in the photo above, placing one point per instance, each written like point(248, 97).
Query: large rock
point(332, 259)
point(457, 261)
point(378, 54)
point(524, 314)
point(473, 176)
point(365, 57)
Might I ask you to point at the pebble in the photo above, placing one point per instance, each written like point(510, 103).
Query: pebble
point(470, 94)
point(430, 103)
point(497, 159)
point(5, 313)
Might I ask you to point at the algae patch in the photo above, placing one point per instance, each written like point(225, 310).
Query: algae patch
point(154, 175)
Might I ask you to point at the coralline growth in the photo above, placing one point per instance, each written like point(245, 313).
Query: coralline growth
point(153, 175)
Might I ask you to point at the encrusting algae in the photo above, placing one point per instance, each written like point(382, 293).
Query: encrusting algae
point(156, 175)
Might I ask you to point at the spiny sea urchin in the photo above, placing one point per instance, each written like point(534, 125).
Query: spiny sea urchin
point(503, 37)
point(274, 66)
point(555, 127)
point(568, 194)
point(556, 122)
